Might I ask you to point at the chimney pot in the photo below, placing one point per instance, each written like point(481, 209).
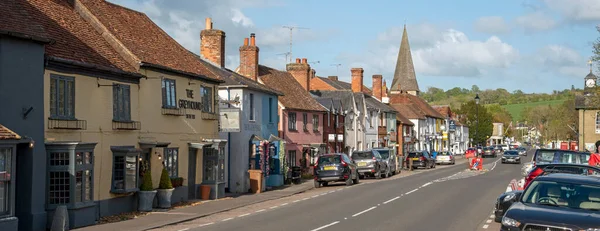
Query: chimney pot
point(208, 23)
point(245, 41)
point(252, 39)
point(297, 60)
point(304, 60)
point(333, 77)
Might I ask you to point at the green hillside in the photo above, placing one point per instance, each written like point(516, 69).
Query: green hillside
point(516, 109)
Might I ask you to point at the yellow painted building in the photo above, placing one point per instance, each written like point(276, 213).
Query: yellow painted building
point(588, 108)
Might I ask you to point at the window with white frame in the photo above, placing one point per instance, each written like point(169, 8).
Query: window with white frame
point(171, 161)
point(70, 174)
point(315, 123)
point(598, 122)
point(169, 93)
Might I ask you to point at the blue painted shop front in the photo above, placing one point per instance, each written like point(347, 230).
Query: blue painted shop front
point(265, 156)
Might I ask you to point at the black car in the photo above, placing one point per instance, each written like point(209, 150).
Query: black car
point(511, 156)
point(420, 159)
point(556, 202)
point(489, 152)
point(505, 200)
point(337, 167)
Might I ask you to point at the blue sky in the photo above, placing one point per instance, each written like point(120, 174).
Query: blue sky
point(531, 45)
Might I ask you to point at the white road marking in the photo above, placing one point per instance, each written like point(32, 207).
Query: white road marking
point(295, 201)
point(314, 196)
point(231, 218)
point(205, 224)
point(425, 185)
point(325, 226)
point(305, 199)
point(183, 229)
point(390, 200)
point(331, 191)
point(274, 207)
point(486, 226)
point(258, 211)
point(488, 221)
point(364, 211)
point(284, 204)
point(345, 218)
point(492, 216)
point(243, 215)
point(323, 194)
point(412, 191)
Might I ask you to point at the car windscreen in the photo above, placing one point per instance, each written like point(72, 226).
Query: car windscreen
point(330, 159)
point(444, 154)
point(362, 155)
point(415, 154)
point(557, 156)
point(562, 194)
point(384, 153)
point(511, 153)
point(577, 170)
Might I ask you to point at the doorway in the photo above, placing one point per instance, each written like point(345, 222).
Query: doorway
point(192, 173)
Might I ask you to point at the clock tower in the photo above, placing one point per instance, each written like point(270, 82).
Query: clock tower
point(590, 79)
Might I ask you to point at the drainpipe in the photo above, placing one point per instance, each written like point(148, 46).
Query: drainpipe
point(228, 145)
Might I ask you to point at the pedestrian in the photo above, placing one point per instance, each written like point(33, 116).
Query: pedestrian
point(595, 157)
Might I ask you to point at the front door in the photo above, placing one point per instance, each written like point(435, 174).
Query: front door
point(192, 174)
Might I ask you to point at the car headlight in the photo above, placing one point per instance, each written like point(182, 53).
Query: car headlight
point(510, 222)
point(504, 157)
point(591, 229)
point(509, 197)
point(518, 157)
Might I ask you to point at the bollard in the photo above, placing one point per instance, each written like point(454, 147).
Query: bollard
point(410, 164)
point(60, 220)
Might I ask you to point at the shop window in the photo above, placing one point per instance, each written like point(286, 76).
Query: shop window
point(62, 97)
point(70, 174)
point(125, 169)
point(207, 99)
point(121, 103)
point(6, 184)
point(171, 161)
point(315, 123)
point(169, 93)
point(214, 164)
point(292, 121)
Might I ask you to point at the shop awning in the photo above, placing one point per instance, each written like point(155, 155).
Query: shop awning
point(273, 138)
point(215, 143)
point(257, 138)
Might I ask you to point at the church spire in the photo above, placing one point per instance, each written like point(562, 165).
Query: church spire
point(405, 79)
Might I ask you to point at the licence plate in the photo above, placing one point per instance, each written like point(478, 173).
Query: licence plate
point(415, 158)
point(511, 160)
point(362, 164)
point(327, 168)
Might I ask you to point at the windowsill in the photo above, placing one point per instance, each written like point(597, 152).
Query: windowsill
point(292, 130)
point(124, 191)
point(252, 121)
point(63, 118)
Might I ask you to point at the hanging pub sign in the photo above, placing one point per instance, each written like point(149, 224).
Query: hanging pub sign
point(451, 125)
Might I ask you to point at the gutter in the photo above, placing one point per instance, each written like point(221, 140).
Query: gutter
point(168, 69)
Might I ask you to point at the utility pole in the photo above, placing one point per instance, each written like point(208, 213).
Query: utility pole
point(288, 55)
point(337, 67)
point(315, 62)
point(291, 28)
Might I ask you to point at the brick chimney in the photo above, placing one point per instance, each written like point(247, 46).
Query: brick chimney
point(249, 58)
point(377, 91)
point(357, 79)
point(212, 44)
point(301, 71)
point(333, 77)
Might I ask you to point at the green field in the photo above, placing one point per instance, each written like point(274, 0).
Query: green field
point(516, 109)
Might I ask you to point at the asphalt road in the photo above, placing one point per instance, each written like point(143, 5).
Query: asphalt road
point(448, 198)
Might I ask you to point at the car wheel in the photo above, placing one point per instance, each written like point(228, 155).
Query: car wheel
point(349, 182)
point(497, 219)
point(356, 180)
point(317, 184)
point(378, 175)
point(325, 184)
point(433, 165)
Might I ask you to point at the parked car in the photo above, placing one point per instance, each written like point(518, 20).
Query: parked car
point(488, 152)
point(504, 147)
point(390, 159)
point(522, 151)
point(471, 151)
point(511, 156)
point(505, 200)
point(370, 163)
point(444, 158)
point(336, 167)
point(421, 159)
point(556, 202)
point(547, 156)
point(498, 149)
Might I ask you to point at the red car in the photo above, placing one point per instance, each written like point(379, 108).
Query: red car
point(470, 153)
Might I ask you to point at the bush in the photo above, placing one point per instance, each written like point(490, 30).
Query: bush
point(147, 181)
point(177, 181)
point(165, 180)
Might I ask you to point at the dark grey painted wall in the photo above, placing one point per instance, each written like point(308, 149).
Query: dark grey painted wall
point(21, 87)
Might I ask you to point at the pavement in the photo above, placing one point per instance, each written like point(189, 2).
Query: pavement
point(445, 198)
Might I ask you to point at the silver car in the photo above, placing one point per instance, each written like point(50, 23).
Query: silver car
point(444, 158)
point(369, 163)
point(390, 159)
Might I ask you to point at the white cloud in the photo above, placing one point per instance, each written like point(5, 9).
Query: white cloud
point(536, 21)
point(576, 10)
point(561, 59)
point(492, 25)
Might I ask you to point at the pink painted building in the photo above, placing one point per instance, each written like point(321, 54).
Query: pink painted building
point(300, 115)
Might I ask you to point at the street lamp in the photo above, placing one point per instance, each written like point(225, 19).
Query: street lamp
point(476, 114)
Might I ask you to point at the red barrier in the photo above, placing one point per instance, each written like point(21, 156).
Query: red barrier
point(477, 163)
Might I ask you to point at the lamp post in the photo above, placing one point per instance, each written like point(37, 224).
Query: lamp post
point(476, 116)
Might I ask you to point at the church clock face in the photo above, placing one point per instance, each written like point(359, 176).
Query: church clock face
point(590, 83)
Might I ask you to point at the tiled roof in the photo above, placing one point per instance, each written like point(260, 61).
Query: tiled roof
point(374, 103)
point(74, 38)
point(404, 120)
point(148, 42)
point(444, 110)
point(234, 79)
point(7, 134)
point(345, 97)
point(295, 97)
point(408, 111)
point(404, 75)
point(417, 102)
point(339, 85)
point(17, 20)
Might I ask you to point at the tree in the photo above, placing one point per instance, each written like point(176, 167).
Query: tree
point(474, 89)
point(596, 49)
point(472, 112)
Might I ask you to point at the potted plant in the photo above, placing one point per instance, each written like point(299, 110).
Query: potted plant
point(177, 182)
point(165, 190)
point(146, 193)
